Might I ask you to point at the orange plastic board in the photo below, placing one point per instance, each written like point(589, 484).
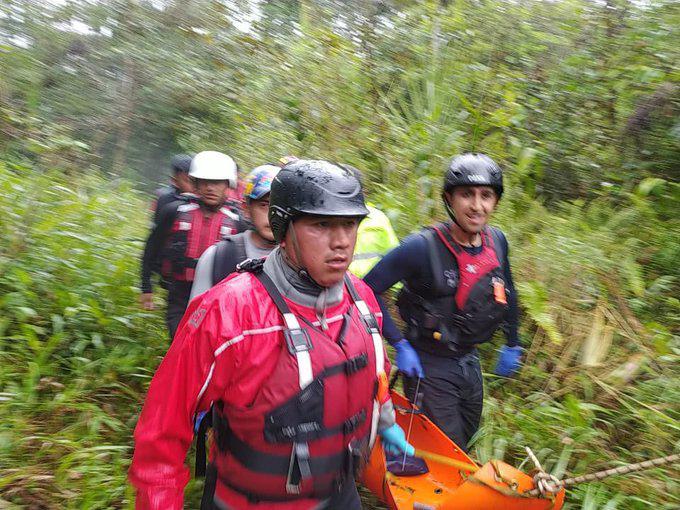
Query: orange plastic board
point(444, 487)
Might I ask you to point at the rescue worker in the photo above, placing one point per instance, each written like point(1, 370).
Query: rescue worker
point(458, 290)
point(289, 355)
point(220, 260)
point(375, 238)
point(186, 229)
point(180, 184)
point(181, 188)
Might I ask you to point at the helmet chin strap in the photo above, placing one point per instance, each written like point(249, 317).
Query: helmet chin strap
point(452, 215)
point(301, 271)
point(320, 305)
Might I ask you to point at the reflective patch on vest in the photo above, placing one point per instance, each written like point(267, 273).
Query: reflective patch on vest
point(226, 231)
point(303, 428)
point(471, 268)
point(184, 225)
point(229, 213)
point(187, 207)
point(197, 317)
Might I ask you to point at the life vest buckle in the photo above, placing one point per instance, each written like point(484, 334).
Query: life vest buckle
point(250, 266)
point(352, 423)
point(299, 468)
point(370, 322)
point(297, 340)
point(353, 365)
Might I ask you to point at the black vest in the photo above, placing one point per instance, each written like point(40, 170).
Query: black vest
point(435, 322)
point(228, 254)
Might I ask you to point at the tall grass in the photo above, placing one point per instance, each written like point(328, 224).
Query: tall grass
point(75, 351)
point(600, 385)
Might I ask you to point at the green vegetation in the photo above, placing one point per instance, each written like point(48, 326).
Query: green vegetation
point(578, 100)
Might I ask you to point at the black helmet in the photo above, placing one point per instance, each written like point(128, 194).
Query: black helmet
point(473, 169)
point(181, 163)
point(314, 187)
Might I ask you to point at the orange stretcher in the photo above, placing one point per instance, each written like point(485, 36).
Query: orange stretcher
point(454, 481)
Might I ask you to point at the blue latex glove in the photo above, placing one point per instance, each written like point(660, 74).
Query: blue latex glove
point(198, 419)
point(408, 361)
point(508, 361)
point(394, 441)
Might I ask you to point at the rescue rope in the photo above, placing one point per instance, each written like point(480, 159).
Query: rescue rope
point(547, 484)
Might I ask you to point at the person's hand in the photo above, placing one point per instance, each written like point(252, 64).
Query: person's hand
point(508, 361)
point(394, 441)
point(407, 360)
point(146, 300)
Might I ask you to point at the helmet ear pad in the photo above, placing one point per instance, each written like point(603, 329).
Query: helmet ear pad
point(279, 219)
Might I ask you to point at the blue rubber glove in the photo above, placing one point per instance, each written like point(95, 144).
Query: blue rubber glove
point(394, 441)
point(508, 361)
point(197, 421)
point(408, 361)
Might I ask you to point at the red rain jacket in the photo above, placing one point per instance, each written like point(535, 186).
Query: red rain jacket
point(226, 348)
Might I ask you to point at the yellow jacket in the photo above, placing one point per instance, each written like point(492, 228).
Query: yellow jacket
point(374, 239)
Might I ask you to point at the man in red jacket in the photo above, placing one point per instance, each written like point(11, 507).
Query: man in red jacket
point(289, 356)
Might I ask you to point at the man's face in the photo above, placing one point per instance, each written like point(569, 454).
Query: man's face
point(258, 210)
point(326, 245)
point(472, 206)
point(211, 192)
point(183, 182)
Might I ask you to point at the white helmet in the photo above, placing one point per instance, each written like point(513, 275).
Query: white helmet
point(214, 166)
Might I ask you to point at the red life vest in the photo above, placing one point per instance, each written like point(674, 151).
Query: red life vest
point(316, 409)
point(471, 268)
point(462, 303)
point(192, 233)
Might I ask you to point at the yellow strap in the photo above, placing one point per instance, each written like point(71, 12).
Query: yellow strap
point(442, 459)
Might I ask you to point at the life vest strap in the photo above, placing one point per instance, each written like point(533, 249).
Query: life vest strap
point(272, 464)
point(320, 492)
point(371, 324)
point(298, 340)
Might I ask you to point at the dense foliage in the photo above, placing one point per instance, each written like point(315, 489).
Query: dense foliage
point(578, 100)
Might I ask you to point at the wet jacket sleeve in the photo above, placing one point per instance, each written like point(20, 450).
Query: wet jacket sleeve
point(188, 380)
point(404, 262)
point(154, 244)
point(511, 325)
